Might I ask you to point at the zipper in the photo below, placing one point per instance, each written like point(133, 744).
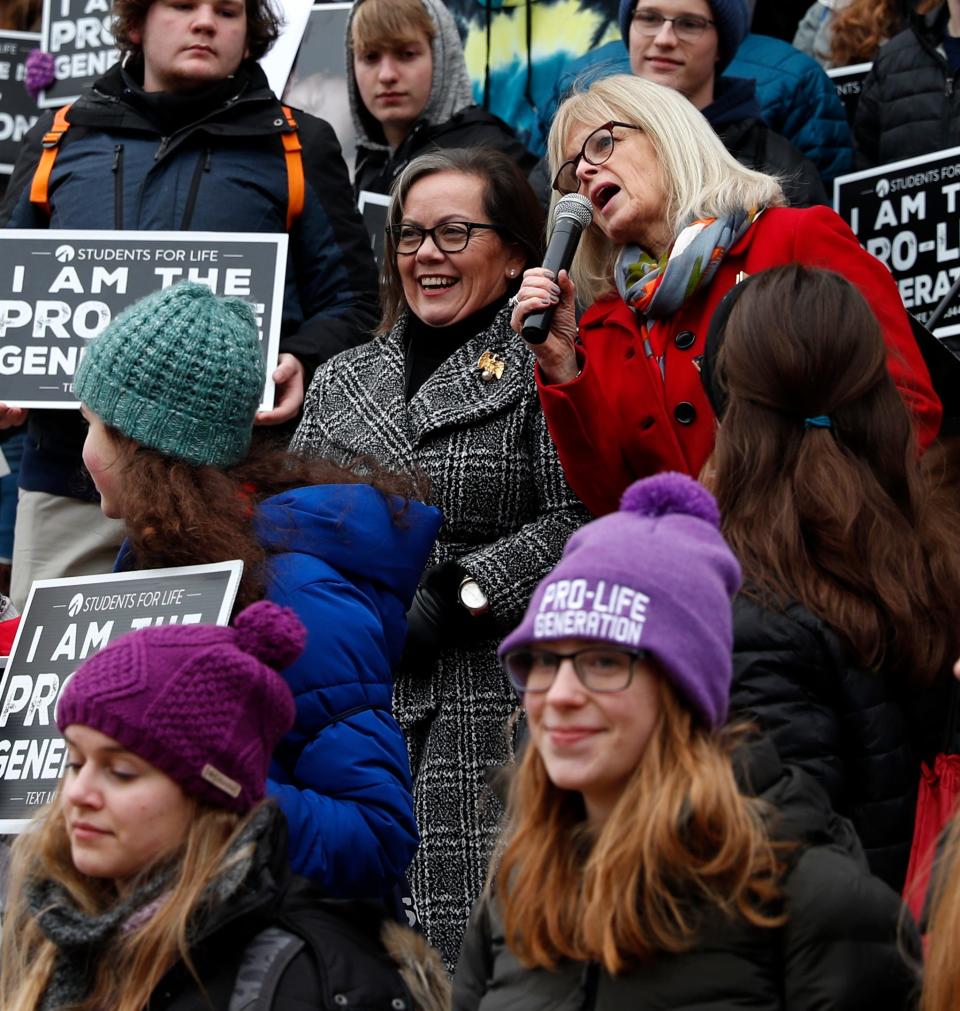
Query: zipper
point(118, 187)
point(203, 165)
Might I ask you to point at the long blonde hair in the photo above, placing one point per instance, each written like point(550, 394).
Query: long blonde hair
point(941, 974)
point(701, 178)
point(132, 965)
point(680, 842)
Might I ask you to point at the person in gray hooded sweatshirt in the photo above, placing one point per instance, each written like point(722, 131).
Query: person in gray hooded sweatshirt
point(410, 91)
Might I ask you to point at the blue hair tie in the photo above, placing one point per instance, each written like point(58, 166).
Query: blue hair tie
point(820, 421)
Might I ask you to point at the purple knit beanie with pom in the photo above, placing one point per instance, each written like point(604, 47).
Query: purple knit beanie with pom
point(202, 703)
point(656, 576)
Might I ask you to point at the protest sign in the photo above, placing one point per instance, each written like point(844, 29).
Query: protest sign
point(59, 289)
point(66, 621)
point(318, 79)
point(278, 59)
point(849, 82)
point(18, 111)
point(77, 34)
point(373, 210)
point(907, 214)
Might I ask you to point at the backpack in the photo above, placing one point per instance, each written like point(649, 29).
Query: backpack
point(292, 154)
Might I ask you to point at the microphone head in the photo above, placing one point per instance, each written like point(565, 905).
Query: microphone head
point(576, 206)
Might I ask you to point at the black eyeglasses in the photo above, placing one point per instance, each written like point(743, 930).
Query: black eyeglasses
point(600, 669)
point(686, 27)
point(596, 149)
point(450, 237)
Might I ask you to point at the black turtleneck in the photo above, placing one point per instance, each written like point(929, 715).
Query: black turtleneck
point(172, 112)
point(428, 347)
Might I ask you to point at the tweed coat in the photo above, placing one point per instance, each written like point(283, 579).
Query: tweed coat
point(508, 512)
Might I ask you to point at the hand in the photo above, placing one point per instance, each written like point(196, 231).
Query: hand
point(557, 355)
point(12, 417)
point(39, 72)
point(288, 396)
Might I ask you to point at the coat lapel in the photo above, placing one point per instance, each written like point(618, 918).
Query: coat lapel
point(457, 395)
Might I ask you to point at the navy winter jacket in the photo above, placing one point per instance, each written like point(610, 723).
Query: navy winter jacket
point(120, 167)
point(349, 568)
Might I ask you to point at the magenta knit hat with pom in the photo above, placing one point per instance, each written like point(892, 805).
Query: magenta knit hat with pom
point(202, 703)
point(656, 576)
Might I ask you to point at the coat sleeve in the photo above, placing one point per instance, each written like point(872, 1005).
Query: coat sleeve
point(474, 967)
point(780, 670)
point(342, 776)
point(847, 944)
point(334, 272)
point(868, 122)
point(509, 569)
point(825, 240)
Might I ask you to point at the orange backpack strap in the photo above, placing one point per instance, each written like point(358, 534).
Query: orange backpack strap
point(40, 187)
point(293, 155)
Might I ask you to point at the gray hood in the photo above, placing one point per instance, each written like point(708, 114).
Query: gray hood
point(450, 92)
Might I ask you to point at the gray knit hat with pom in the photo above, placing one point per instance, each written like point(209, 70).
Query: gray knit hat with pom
point(181, 372)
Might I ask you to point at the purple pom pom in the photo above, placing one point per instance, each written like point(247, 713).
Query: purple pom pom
point(671, 494)
point(273, 634)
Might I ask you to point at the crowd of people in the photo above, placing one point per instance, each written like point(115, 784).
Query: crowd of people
point(598, 672)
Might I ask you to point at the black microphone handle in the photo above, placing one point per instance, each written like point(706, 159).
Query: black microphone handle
point(559, 256)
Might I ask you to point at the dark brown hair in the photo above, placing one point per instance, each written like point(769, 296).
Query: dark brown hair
point(843, 520)
point(20, 15)
point(508, 202)
point(263, 25)
point(206, 514)
point(857, 31)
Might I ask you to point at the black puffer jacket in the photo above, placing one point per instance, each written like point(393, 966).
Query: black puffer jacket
point(910, 102)
point(838, 949)
point(852, 730)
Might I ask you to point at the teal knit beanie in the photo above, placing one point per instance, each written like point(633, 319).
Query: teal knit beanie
point(180, 371)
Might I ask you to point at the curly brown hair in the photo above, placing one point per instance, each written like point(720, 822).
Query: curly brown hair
point(207, 514)
point(859, 30)
point(263, 25)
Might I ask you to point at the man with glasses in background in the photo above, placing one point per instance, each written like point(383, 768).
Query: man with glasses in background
point(686, 45)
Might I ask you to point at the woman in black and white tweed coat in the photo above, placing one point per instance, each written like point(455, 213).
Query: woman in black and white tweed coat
point(446, 392)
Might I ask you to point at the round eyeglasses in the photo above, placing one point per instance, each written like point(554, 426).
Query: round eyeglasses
point(596, 149)
point(600, 669)
point(686, 27)
point(449, 237)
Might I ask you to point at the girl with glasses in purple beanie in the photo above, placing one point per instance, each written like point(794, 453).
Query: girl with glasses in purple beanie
point(170, 391)
point(653, 859)
point(151, 878)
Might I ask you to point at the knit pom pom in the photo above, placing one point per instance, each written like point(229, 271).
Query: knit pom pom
point(271, 633)
point(670, 494)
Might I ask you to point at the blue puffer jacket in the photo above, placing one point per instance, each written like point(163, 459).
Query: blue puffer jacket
point(349, 568)
point(798, 100)
point(130, 162)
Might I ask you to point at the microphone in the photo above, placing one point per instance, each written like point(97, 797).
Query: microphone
point(572, 214)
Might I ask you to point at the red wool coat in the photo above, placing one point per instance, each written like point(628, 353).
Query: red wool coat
point(620, 420)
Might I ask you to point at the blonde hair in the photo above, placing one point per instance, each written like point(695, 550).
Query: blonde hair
point(681, 841)
point(701, 178)
point(941, 974)
point(379, 24)
point(132, 965)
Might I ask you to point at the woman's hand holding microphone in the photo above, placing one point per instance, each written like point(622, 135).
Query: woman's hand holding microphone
point(557, 355)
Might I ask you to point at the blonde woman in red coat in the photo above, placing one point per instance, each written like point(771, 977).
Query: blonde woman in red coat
point(677, 222)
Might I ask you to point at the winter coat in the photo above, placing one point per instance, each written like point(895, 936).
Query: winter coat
point(815, 31)
point(735, 115)
point(798, 101)
point(507, 513)
point(449, 119)
point(225, 172)
point(342, 956)
point(848, 727)
point(910, 101)
point(349, 569)
point(839, 948)
point(622, 419)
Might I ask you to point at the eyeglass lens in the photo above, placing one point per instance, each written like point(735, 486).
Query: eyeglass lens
point(685, 26)
point(451, 237)
point(600, 670)
point(596, 149)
